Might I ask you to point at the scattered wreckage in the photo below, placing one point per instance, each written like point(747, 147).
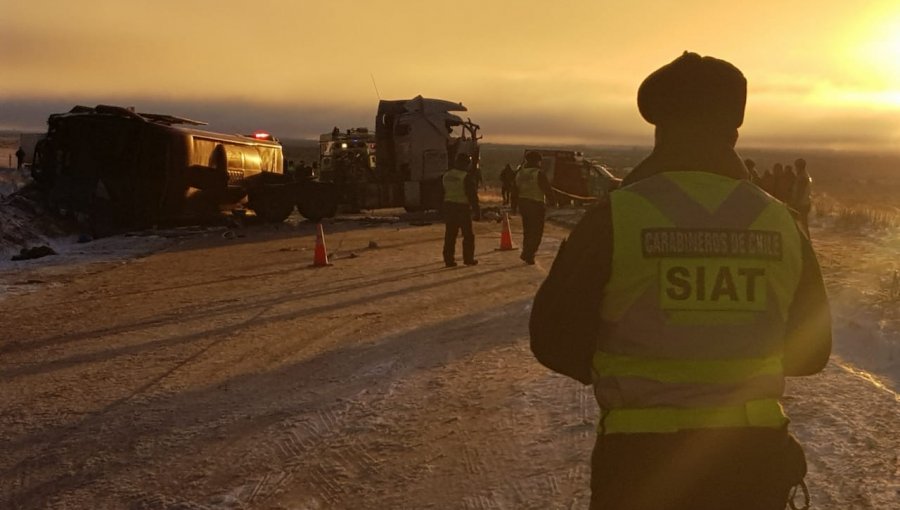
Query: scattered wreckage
point(575, 179)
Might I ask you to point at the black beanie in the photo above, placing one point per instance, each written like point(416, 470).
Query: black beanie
point(694, 90)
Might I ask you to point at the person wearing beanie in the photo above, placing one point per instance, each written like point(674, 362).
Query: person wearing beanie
point(685, 300)
point(460, 199)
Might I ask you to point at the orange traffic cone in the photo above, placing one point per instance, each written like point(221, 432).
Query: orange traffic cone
point(505, 237)
point(320, 258)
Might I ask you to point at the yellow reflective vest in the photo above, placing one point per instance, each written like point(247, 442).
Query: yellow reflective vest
point(455, 186)
point(704, 269)
point(528, 185)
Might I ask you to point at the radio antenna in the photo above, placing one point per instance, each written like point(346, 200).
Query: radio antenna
point(376, 86)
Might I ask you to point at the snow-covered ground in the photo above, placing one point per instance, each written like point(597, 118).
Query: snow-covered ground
point(222, 371)
point(861, 268)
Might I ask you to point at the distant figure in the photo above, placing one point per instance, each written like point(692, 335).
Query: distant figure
point(751, 170)
point(507, 183)
point(767, 181)
point(20, 158)
point(801, 194)
point(514, 195)
point(785, 184)
point(460, 199)
point(533, 187)
point(291, 170)
point(303, 170)
point(777, 179)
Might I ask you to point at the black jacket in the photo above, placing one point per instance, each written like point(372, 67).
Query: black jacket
point(565, 318)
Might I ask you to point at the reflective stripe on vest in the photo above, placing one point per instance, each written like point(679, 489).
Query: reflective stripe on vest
point(455, 186)
point(704, 270)
point(755, 413)
point(529, 187)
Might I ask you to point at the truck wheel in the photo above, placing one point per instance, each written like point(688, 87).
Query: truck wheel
point(316, 207)
point(271, 207)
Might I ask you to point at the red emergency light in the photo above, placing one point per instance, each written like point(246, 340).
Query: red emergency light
point(262, 135)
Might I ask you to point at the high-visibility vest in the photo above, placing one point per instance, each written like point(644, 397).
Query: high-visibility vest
point(455, 186)
point(528, 185)
point(704, 269)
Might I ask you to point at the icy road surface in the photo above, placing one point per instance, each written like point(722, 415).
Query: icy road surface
point(224, 372)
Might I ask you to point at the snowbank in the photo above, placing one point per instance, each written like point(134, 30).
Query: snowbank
point(24, 221)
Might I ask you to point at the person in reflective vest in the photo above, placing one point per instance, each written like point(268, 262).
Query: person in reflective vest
point(532, 186)
point(460, 199)
point(685, 300)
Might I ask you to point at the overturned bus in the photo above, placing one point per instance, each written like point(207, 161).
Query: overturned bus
point(401, 164)
point(142, 168)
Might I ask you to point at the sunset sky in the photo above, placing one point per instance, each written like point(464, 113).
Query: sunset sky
point(822, 73)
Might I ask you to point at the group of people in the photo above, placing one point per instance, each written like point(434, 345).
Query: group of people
point(460, 204)
point(790, 184)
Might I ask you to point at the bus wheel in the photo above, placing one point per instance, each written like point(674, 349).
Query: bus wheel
point(316, 207)
point(271, 206)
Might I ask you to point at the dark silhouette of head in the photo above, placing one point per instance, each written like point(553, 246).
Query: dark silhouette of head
point(463, 161)
point(800, 164)
point(533, 158)
point(694, 90)
point(693, 95)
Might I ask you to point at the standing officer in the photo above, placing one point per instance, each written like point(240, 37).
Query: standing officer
point(507, 183)
point(20, 158)
point(532, 186)
point(685, 300)
point(460, 199)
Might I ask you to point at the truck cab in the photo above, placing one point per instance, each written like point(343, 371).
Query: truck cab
point(416, 140)
point(402, 162)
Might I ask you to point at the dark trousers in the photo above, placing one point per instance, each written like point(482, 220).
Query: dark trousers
point(532, 213)
point(458, 217)
point(734, 469)
point(506, 192)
